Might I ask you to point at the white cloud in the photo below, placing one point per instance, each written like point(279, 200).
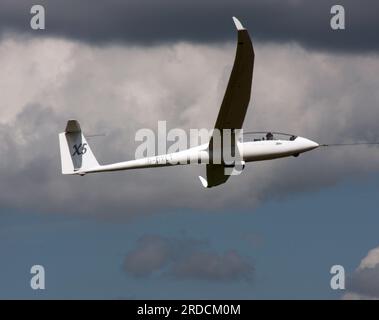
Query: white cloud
point(364, 282)
point(371, 260)
point(118, 90)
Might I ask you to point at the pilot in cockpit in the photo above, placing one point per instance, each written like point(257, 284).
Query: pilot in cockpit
point(269, 136)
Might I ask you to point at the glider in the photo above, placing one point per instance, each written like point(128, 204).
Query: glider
point(77, 157)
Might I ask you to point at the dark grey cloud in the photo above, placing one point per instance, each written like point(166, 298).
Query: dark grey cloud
point(228, 266)
point(185, 258)
point(152, 21)
point(151, 254)
point(365, 282)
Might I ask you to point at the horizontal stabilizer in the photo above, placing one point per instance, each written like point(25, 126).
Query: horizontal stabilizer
point(73, 126)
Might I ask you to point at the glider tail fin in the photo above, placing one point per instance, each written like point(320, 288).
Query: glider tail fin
point(76, 154)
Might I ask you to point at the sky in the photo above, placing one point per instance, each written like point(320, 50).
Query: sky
point(117, 66)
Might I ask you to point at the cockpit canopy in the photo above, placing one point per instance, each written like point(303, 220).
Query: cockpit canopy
point(269, 135)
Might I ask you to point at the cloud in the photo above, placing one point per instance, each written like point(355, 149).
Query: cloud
point(167, 21)
point(184, 258)
point(152, 254)
point(228, 266)
point(117, 90)
point(364, 282)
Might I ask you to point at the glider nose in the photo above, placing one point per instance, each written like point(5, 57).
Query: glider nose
point(313, 144)
point(308, 144)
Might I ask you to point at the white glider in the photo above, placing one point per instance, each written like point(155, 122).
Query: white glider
point(77, 157)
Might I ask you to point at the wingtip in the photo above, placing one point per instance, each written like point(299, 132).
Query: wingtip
point(204, 182)
point(238, 24)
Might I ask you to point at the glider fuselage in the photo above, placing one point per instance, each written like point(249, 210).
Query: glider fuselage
point(250, 151)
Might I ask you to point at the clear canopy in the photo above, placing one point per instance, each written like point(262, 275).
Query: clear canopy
point(269, 135)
